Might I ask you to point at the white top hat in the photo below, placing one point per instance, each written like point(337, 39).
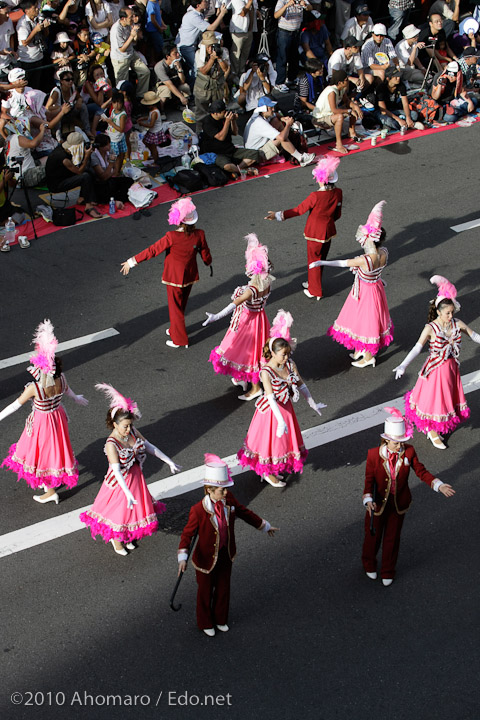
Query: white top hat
point(394, 429)
point(216, 472)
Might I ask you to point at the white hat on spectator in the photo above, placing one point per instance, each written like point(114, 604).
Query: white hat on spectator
point(410, 32)
point(16, 74)
point(452, 68)
point(61, 37)
point(379, 29)
point(73, 138)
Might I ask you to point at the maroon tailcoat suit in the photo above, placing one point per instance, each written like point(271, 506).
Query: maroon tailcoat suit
point(391, 507)
point(213, 564)
point(324, 207)
point(180, 272)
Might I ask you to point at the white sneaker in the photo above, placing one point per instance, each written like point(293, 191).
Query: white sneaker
point(387, 581)
point(223, 628)
point(307, 159)
point(419, 126)
point(372, 576)
point(209, 631)
point(171, 344)
point(282, 88)
point(366, 104)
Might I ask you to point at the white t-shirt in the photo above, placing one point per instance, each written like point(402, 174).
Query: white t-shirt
point(242, 24)
point(403, 50)
point(114, 9)
point(6, 30)
point(258, 131)
point(14, 150)
point(100, 16)
point(359, 32)
point(31, 52)
point(323, 104)
point(256, 89)
point(338, 61)
point(16, 103)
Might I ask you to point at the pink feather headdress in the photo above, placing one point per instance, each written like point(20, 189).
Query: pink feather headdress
point(45, 347)
point(118, 401)
point(325, 171)
point(256, 257)
point(373, 227)
point(281, 329)
point(215, 462)
point(182, 211)
point(446, 291)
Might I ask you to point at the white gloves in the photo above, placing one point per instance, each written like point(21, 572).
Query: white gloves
point(161, 456)
point(400, 369)
point(308, 397)
point(79, 399)
point(211, 317)
point(119, 478)
point(331, 263)
point(475, 337)
point(13, 407)
point(281, 426)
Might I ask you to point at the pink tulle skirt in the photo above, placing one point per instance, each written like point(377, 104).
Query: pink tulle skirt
point(46, 456)
point(438, 401)
point(110, 517)
point(240, 352)
point(364, 324)
point(265, 453)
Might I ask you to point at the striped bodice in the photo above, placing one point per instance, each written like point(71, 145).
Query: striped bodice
point(368, 276)
point(126, 457)
point(255, 304)
point(442, 347)
point(284, 390)
point(45, 404)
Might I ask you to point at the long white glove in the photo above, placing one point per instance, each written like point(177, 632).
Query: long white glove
point(281, 424)
point(119, 478)
point(153, 450)
point(308, 397)
point(475, 337)
point(400, 369)
point(211, 317)
point(331, 263)
point(79, 399)
point(13, 407)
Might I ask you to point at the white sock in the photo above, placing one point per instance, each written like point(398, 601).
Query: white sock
point(297, 155)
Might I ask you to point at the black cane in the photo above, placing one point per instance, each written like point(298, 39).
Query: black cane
point(179, 579)
point(372, 529)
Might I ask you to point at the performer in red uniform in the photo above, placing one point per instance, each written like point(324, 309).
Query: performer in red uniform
point(324, 207)
point(386, 480)
point(180, 270)
point(214, 520)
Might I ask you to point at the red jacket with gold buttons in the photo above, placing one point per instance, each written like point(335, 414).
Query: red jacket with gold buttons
point(181, 250)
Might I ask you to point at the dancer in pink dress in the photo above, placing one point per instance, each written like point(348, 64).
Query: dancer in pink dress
point(124, 510)
point(43, 456)
point(364, 324)
point(240, 352)
point(274, 443)
point(437, 403)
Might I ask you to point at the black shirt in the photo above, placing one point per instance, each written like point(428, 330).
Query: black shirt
point(210, 128)
point(426, 33)
point(391, 99)
point(55, 170)
point(448, 88)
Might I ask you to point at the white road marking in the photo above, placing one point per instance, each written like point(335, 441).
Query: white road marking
point(466, 226)
point(189, 480)
point(68, 345)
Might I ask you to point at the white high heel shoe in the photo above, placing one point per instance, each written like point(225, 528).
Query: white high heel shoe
point(364, 363)
point(240, 383)
point(357, 354)
point(119, 552)
point(436, 441)
point(130, 546)
point(278, 484)
point(51, 498)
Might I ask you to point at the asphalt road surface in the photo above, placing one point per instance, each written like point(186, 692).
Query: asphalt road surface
point(311, 636)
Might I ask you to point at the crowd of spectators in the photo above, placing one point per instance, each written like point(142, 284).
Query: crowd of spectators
point(77, 75)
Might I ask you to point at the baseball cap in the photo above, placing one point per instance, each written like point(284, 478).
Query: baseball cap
point(452, 68)
point(470, 52)
point(216, 106)
point(15, 75)
point(265, 101)
point(351, 41)
point(410, 31)
point(362, 9)
point(379, 29)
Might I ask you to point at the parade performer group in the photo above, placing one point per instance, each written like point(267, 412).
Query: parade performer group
point(240, 352)
point(364, 324)
point(43, 456)
point(180, 271)
point(213, 520)
point(324, 207)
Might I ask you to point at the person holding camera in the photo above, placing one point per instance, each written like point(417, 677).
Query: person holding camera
point(193, 25)
point(20, 159)
point(123, 36)
point(68, 93)
point(217, 130)
point(289, 14)
point(210, 80)
point(447, 89)
point(31, 34)
point(67, 167)
point(258, 80)
point(171, 78)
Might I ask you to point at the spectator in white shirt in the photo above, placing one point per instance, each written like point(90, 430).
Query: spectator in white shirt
point(242, 26)
point(378, 53)
point(360, 26)
point(255, 82)
point(31, 43)
point(407, 49)
point(348, 59)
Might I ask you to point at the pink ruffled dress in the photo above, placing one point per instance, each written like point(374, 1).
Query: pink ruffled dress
point(43, 455)
point(109, 515)
point(364, 322)
point(263, 451)
point(240, 352)
point(437, 402)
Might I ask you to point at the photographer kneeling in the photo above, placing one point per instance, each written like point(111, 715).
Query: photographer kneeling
point(106, 183)
point(218, 128)
point(67, 167)
point(210, 80)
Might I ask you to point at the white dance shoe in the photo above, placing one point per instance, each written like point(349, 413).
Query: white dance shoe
point(357, 355)
point(309, 295)
point(119, 552)
point(240, 383)
point(52, 498)
point(365, 363)
point(247, 398)
point(223, 628)
point(171, 344)
point(130, 546)
point(372, 576)
point(209, 631)
point(278, 484)
point(387, 581)
point(436, 441)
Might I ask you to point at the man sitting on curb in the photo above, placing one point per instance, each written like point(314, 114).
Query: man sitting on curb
point(447, 89)
point(171, 78)
point(260, 135)
point(333, 105)
point(217, 130)
point(391, 102)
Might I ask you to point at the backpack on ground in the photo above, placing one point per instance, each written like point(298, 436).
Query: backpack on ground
point(186, 181)
point(213, 175)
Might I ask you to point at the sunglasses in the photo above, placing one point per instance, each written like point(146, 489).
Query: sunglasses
point(67, 79)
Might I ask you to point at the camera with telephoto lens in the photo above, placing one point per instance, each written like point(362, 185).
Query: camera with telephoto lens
point(217, 49)
point(15, 163)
